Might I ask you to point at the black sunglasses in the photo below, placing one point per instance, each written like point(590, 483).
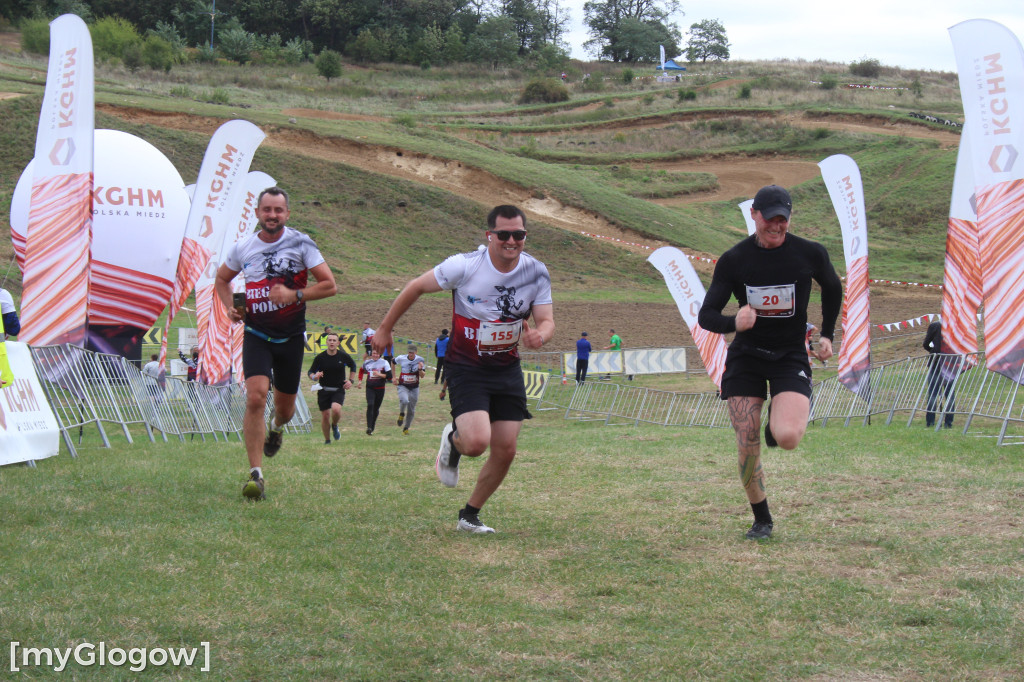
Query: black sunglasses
point(503, 235)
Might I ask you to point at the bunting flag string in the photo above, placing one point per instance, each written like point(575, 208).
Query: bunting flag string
point(705, 259)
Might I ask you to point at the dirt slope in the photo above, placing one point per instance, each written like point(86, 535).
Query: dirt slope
point(638, 324)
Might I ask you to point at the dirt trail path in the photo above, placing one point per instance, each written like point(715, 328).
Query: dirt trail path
point(642, 325)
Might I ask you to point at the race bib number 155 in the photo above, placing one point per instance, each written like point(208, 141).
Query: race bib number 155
point(499, 337)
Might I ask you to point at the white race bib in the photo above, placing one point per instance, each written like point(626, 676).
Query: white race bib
point(777, 301)
point(498, 337)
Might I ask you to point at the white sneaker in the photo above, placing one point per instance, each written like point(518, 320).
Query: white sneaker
point(447, 473)
point(471, 523)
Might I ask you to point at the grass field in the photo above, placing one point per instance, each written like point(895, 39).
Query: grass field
point(619, 555)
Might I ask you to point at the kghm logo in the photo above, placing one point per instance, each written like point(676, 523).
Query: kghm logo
point(1003, 156)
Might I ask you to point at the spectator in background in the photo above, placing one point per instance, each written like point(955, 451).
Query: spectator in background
point(152, 370)
point(615, 343)
point(12, 325)
point(582, 358)
point(440, 348)
point(191, 362)
point(367, 337)
point(941, 376)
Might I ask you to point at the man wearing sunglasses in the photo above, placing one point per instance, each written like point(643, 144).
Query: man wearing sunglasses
point(494, 293)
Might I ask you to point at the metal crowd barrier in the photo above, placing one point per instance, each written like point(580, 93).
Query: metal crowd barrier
point(87, 389)
point(987, 404)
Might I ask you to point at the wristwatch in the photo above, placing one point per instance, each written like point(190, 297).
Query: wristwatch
point(298, 295)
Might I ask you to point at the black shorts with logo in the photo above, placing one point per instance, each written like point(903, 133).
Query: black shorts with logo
point(748, 373)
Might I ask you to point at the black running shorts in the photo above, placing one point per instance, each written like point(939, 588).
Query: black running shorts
point(750, 375)
point(324, 399)
point(500, 391)
point(280, 361)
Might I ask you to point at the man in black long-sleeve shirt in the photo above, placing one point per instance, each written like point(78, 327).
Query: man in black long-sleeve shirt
point(328, 369)
point(770, 275)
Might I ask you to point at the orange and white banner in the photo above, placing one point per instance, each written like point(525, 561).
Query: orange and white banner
point(218, 336)
point(990, 64)
point(688, 293)
point(842, 177)
point(58, 239)
point(139, 213)
point(220, 182)
point(961, 293)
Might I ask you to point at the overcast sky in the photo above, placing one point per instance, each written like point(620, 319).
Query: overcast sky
point(907, 33)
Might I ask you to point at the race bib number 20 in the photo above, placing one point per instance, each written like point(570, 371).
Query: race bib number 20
point(498, 337)
point(775, 301)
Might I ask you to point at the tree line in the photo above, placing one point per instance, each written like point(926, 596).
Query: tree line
point(424, 32)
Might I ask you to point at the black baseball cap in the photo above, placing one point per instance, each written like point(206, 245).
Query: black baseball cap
point(773, 201)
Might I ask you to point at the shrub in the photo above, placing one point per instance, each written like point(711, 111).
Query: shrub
point(328, 64)
point(546, 90)
point(218, 96)
point(589, 84)
point(111, 35)
point(367, 47)
point(296, 50)
point(829, 82)
point(866, 68)
point(132, 57)
point(687, 94)
point(35, 36)
point(745, 91)
point(237, 44)
point(206, 55)
point(181, 91)
point(648, 100)
point(628, 76)
point(158, 54)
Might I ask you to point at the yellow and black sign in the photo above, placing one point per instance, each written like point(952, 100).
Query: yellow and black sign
point(317, 343)
point(153, 337)
point(534, 383)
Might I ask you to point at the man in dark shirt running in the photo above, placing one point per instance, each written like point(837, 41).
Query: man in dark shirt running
point(769, 274)
point(328, 369)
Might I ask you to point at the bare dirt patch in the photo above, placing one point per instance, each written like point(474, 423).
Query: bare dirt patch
point(639, 324)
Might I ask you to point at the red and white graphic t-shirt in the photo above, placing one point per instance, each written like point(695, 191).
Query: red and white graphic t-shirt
point(286, 261)
point(490, 306)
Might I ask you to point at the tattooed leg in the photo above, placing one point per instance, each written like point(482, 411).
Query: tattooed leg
point(745, 415)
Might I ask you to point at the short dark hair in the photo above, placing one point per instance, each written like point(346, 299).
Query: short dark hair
point(505, 211)
point(154, 356)
point(274, 192)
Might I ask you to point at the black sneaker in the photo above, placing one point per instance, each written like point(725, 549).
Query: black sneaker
point(253, 488)
point(760, 530)
point(471, 523)
point(335, 431)
point(401, 418)
point(369, 432)
point(272, 443)
point(327, 441)
point(769, 439)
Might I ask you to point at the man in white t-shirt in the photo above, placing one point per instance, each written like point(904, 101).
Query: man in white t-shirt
point(410, 369)
point(277, 262)
point(494, 292)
